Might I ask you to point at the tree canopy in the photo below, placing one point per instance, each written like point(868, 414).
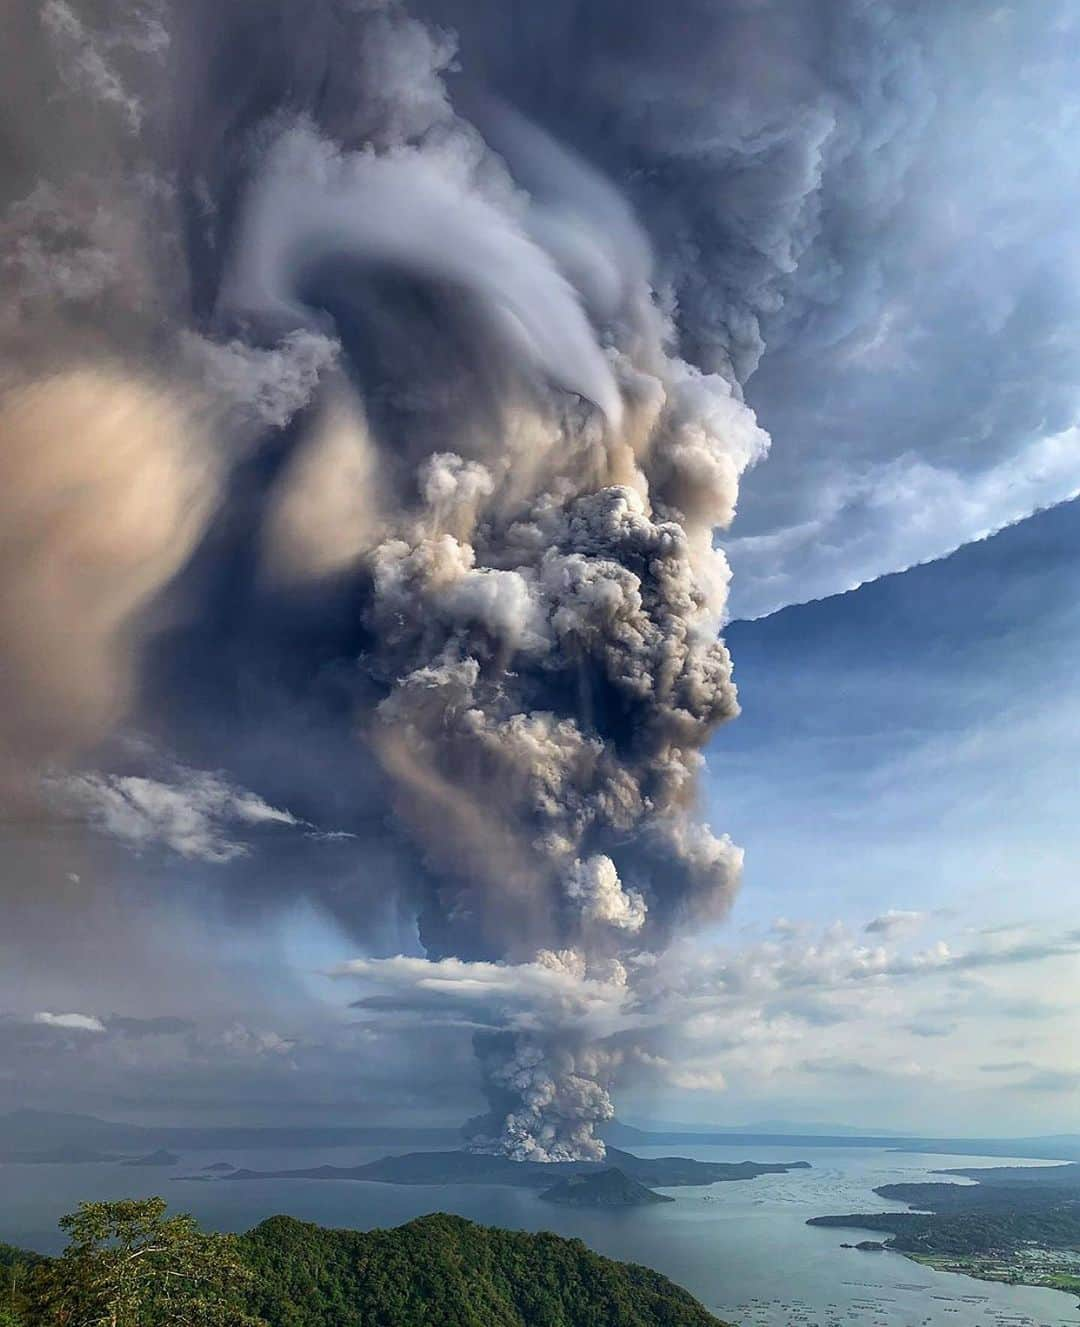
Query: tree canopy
point(129, 1264)
point(444, 1271)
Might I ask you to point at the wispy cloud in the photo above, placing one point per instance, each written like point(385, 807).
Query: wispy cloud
point(70, 1022)
point(198, 815)
point(557, 989)
point(895, 923)
point(1051, 1080)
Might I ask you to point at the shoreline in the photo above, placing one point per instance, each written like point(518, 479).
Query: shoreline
point(986, 1268)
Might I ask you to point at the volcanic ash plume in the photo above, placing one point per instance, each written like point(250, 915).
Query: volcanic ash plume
point(544, 602)
point(454, 399)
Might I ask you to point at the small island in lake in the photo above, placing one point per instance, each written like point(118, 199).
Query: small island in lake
point(158, 1158)
point(604, 1188)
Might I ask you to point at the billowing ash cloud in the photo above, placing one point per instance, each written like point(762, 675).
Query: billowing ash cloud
point(864, 213)
point(387, 458)
point(549, 1034)
point(373, 392)
point(540, 592)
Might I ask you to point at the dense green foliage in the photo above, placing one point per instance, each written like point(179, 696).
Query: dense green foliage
point(129, 1265)
point(11, 1257)
point(443, 1271)
point(1005, 1210)
point(16, 1270)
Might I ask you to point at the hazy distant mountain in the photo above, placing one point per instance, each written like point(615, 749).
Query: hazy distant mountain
point(1059, 1147)
point(34, 1130)
point(27, 1134)
point(797, 1127)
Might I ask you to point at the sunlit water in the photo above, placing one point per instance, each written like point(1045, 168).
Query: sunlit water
point(743, 1248)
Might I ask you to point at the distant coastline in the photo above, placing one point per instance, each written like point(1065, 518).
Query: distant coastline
point(1015, 1224)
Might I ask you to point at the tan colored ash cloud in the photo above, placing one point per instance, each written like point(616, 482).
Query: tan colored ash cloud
point(105, 485)
point(328, 508)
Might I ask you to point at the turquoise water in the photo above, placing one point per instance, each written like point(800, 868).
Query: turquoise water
point(744, 1249)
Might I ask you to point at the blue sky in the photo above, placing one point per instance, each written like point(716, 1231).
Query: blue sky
point(907, 753)
point(913, 743)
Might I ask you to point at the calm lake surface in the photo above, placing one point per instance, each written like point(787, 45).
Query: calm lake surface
point(743, 1248)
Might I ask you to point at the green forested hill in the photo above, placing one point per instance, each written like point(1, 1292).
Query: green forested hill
point(129, 1263)
point(443, 1271)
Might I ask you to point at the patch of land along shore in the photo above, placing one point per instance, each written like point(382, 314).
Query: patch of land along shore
point(1017, 1224)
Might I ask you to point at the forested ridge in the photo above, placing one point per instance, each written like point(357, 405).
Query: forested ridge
point(444, 1271)
point(128, 1264)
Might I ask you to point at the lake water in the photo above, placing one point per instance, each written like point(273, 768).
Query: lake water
point(743, 1249)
